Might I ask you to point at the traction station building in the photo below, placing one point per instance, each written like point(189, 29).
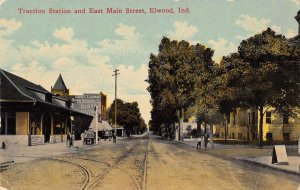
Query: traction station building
point(31, 115)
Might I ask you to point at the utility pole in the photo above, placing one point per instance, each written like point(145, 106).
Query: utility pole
point(96, 124)
point(116, 125)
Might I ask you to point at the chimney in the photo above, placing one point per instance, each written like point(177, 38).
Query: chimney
point(297, 17)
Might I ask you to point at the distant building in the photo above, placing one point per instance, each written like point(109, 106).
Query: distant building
point(87, 104)
point(243, 124)
point(59, 87)
point(32, 115)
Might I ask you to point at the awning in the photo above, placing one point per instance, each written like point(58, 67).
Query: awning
point(103, 126)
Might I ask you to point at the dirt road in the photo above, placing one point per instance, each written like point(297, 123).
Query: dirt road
point(143, 163)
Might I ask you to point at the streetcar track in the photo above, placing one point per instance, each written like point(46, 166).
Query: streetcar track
point(102, 175)
point(85, 169)
point(91, 179)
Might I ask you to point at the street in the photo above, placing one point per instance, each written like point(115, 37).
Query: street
point(147, 162)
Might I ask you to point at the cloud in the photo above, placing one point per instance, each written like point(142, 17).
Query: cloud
point(7, 27)
point(276, 28)
point(183, 31)
point(252, 24)
point(297, 2)
point(2, 1)
point(290, 33)
point(65, 34)
point(222, 48)
point(128, 42)
point(84, 69)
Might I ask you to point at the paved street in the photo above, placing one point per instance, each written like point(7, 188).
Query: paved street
point(141, 163)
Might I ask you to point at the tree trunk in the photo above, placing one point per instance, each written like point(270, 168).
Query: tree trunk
point(198, 128)
point(180, 114)
point(261, 118)
point(211, 136)
point(226, 127)
point(179, 124)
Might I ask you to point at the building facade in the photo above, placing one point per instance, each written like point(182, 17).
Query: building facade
point(31, 115)
point(243, 123)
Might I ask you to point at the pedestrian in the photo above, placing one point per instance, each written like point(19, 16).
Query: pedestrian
point(68, 139)
point(205, 140)
point(82, 136)
point(199, 143)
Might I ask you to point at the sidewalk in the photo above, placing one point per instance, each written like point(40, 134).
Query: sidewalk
point(253, 154)
point(28, 153)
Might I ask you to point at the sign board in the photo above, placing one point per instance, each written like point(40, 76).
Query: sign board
point(299, 145)
point(279, 155)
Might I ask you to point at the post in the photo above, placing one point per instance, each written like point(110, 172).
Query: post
point(71, 136)
point(116, 125)
point(299, 146)
point(96, 124)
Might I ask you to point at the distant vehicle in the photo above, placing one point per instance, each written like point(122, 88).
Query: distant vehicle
point(89, 137)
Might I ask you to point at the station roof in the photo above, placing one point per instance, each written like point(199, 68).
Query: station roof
point(15, 89)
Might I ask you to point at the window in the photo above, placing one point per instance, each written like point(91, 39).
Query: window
point(253, 118)
point(285, 120)
point(249, 118)
point(286, 136)
point(228, 118)
point(48, 97)
point(8, 123)
point(268, 117)
point(234, 118)
point(269, 137)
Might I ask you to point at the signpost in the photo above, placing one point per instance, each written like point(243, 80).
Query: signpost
point(279, 155)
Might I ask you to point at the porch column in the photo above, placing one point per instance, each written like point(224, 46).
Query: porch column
point(28, 124)
point(52, 122)
point(42, 121)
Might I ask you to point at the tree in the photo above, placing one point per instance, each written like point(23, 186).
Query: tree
point(172, 76)
point(128, 115)
point(268, 71)
point(231, 90)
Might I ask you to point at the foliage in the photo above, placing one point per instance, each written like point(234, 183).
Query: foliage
point(128, 116)
point(172, 74)
point(264, 73)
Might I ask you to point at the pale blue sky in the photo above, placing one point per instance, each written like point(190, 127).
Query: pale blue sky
point(86, 48)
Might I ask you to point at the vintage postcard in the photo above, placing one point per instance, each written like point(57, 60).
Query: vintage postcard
point(150, 94)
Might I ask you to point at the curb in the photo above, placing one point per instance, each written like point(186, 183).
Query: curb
point(249, 161)
point(268, 166)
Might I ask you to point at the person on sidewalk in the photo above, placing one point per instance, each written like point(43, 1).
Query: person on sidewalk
point(68, 139)
point(205, 140)
point(83, 136)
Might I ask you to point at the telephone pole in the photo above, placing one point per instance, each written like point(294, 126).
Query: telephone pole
point(116, 125)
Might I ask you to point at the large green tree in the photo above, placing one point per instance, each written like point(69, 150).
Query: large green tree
point(172, 74)
point(266, 68)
